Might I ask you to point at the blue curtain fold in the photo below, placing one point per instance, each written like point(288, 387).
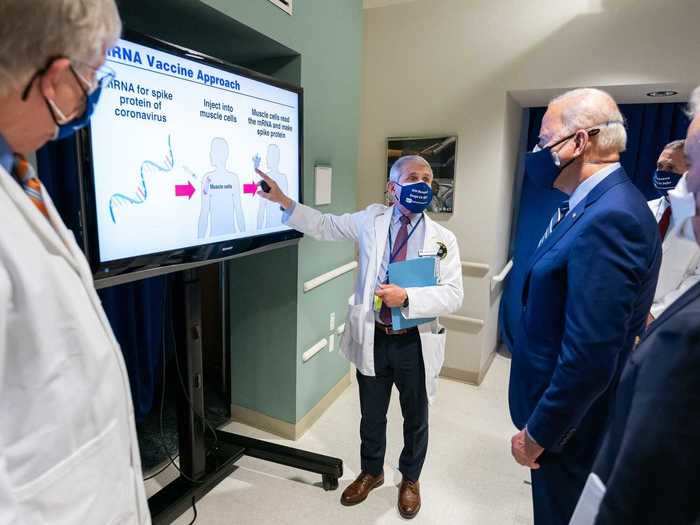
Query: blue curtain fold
point(135, 310)
point(649, 128)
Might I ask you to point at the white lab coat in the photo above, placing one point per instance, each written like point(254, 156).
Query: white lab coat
point(680, 265)
point(370, 230)
point(68, 448)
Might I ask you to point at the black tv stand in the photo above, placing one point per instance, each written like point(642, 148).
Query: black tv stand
point(204, 460)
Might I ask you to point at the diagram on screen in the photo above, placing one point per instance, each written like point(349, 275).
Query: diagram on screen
point(221, 210)
point(141, 194)
point(269, 214)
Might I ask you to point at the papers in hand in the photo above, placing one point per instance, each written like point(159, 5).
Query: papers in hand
point(589, 503)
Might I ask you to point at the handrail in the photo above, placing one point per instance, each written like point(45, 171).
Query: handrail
point(504, 273)
point(463, 319)
point(329, 276)
point(476, 266)
point(323, 343)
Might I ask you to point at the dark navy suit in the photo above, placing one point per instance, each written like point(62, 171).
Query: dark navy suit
point(585, 300)
point(650, 458)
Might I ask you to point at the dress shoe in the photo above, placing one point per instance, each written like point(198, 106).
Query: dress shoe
point(409, 499)
point(359, 489)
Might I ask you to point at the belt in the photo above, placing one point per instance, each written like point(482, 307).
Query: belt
point(385, 329)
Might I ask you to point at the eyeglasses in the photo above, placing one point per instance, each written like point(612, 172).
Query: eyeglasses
point(102, 76)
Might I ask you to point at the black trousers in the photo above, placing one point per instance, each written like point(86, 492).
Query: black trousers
point(557, 486)
point(398, 360)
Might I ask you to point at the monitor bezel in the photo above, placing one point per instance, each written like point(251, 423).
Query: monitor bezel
point(181, 257)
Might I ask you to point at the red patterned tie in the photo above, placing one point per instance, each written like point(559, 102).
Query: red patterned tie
point(664, 223)
point(402, 243)
point(24, 173)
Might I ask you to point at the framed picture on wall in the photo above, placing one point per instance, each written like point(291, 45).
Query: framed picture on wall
point(440, 152)
point(284, 5)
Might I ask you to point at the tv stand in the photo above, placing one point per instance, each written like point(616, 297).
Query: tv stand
point(205, 461)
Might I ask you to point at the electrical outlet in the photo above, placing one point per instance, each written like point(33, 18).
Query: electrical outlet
point(332, 321)
point(331, 343)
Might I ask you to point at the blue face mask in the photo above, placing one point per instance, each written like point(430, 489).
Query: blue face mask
point(665, 181)
point(543, 166)
point(67, 129)
point(415, 197)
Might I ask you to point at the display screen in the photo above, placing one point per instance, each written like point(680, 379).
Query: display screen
point(174, 144)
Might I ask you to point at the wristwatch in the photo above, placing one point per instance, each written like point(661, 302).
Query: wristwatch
point(405, 303)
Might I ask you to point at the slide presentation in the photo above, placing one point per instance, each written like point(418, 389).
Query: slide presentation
point(175, 147)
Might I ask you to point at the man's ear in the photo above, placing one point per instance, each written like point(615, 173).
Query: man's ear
point(581, 141)
point(52, 77)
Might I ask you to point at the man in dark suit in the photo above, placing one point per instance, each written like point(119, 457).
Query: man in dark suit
point(650, 461)
point(585, 299)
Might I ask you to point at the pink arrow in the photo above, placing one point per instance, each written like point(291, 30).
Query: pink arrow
point(184, 190)
point(251, 188)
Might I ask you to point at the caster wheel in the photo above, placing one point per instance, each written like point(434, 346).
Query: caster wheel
point(329, 482)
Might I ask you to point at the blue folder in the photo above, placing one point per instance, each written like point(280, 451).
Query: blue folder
point(414, 273)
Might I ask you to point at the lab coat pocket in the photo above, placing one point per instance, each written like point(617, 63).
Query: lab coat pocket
point(93, 485)
point(355, 325)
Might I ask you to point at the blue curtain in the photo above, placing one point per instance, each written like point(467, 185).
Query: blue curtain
point(649, 127)
point(135, 310)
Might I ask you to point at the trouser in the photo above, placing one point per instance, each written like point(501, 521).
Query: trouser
point(557, 486)
point(398, 360)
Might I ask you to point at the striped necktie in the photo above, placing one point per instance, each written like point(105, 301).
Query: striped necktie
point(25, 175)
point(554, 221)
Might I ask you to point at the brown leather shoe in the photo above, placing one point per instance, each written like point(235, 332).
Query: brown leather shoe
point(409, 499)
point(359, 489)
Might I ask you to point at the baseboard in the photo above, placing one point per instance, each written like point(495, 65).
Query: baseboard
point(468, 376)
point(457, 374)
point(282, 428)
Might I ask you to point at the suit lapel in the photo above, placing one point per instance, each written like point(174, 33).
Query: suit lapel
point(616, 177)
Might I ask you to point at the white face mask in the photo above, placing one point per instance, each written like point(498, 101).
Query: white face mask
point(683, 208)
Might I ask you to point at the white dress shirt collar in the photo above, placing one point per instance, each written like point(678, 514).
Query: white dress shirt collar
point(583, 189)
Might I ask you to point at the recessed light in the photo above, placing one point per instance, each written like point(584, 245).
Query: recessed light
point(667, 93)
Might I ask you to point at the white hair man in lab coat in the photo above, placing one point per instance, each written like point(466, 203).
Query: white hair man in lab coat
point(68, 446)
point(409, 358)
point(680, 266)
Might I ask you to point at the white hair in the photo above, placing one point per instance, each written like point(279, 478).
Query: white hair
point(694, 104)
point(32, 32)
point(395, 172)
point(588, 108)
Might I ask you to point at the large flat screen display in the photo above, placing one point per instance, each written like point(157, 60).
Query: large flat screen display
point(172, 152)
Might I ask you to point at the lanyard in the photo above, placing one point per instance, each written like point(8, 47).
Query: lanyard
point(392, 253)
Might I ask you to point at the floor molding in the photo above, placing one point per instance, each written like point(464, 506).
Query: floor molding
point(285, 429)
point(469, 376)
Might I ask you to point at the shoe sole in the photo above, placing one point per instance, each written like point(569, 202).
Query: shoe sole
point(375, 486)
point(407, 516)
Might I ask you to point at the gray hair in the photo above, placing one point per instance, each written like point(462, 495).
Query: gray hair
point(694, 104)
point(33, 32)
point(590, 108)
point(675, 145)
point(395, 172)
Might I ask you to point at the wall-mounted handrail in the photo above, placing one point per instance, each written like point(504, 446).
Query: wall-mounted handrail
point(476, 266)
point(463, 319)
point(329, 276)
point(323, 343)
point(504, 273)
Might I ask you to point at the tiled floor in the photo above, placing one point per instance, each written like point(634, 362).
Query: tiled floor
point(469, 476)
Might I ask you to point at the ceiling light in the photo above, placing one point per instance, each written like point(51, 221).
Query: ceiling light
point(666, 93)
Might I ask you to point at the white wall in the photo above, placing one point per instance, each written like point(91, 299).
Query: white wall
point(467, 66)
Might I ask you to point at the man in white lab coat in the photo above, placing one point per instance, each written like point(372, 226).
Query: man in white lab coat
point(680, 265)
point(68, 446)
point(411, 359)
